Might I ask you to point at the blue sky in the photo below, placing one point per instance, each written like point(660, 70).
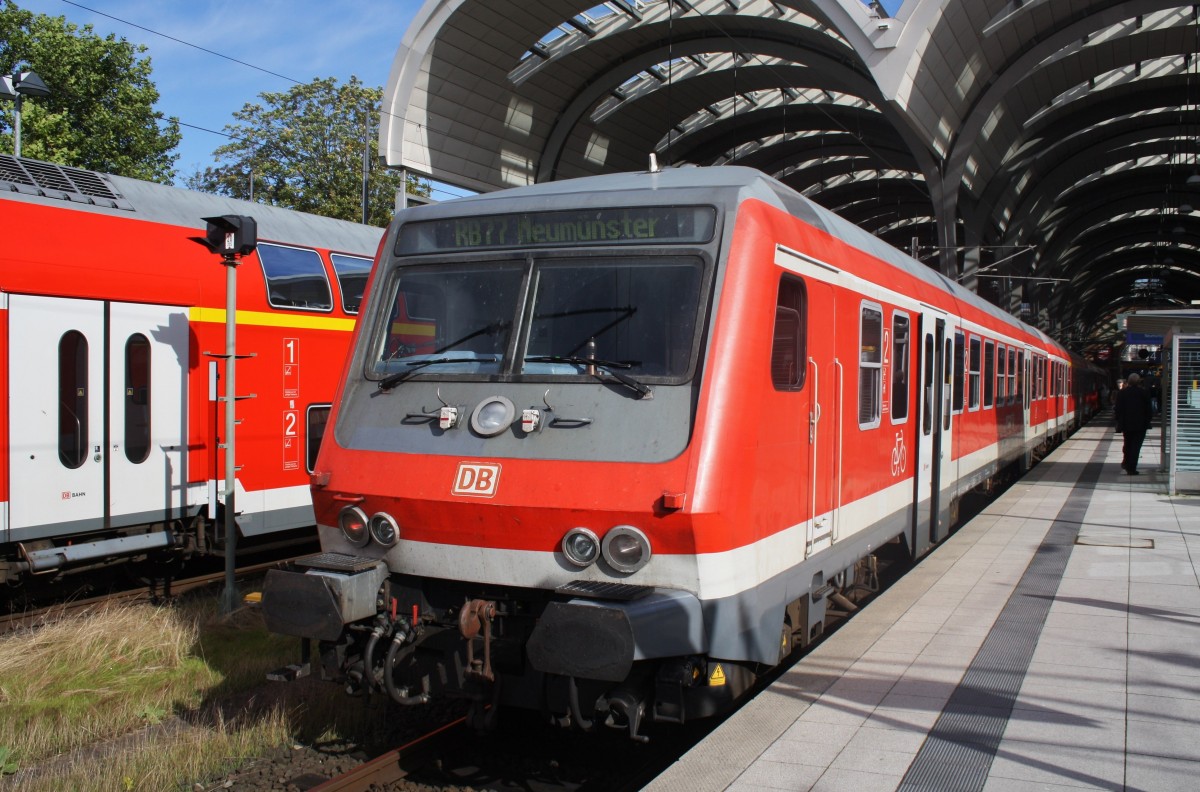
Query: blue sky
point(297, 39)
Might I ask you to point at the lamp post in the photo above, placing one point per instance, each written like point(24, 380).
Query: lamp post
point(16, 88)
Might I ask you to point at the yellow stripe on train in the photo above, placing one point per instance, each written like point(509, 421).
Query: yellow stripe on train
point(266, 319)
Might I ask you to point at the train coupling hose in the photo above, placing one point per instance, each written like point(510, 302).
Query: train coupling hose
point(399, 695)
point(371, 682)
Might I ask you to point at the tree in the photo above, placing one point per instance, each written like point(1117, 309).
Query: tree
point(303, 149)
point(100, 112)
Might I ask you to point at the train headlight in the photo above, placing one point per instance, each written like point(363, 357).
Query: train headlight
point(581, 547)
point(626, 548)
point(385, 529)
point(353, 522)
point(493, 415)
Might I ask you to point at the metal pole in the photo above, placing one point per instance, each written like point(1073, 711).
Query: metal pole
point(366, 163)
point(17, 127)
point(229, 600)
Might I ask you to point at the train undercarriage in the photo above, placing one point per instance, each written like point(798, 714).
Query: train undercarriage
point(584, 664)
point(158, 549)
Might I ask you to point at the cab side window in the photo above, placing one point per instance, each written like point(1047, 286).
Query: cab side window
point(789, 353)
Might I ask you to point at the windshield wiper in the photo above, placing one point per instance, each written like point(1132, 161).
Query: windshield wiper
point(601, 367)
point(392, 380)
point(491, 329)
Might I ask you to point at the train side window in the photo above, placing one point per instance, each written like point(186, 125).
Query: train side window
point(989, 374)
point(789, 354)
point(296, 278)
point(72, 399)
point(1012, 375)
point(137, 398)
point(959, 366)
point(900, 363)
point(947, 380)
point(870, 365)
point(351, 272)
point(1001, 364)
point(973, 374)
point(315, 422)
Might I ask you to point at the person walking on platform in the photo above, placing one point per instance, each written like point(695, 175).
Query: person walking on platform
point(1133, 419)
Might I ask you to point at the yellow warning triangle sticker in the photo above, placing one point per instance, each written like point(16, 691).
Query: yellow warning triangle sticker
point(717, 677)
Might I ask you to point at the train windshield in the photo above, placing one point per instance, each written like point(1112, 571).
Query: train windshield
point(637, 312)
point(530, 319)
point(457, 316)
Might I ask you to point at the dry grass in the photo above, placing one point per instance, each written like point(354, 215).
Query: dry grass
point(147, 698)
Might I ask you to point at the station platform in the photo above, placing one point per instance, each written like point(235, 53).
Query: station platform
point(1052, 643)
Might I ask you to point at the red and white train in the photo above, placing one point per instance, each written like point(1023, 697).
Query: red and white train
point(110, 317)
point(607, 447)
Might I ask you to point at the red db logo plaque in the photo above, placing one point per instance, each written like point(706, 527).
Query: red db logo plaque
point(476, 480)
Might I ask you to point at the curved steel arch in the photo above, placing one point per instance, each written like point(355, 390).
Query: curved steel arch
point(602, 83)
point(1020, 68)
point(1074, 158)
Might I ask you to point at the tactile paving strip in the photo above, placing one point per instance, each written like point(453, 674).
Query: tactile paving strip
point(959, 750)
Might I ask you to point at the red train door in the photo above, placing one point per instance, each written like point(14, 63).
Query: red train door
point(97, 414)
point(826, 389)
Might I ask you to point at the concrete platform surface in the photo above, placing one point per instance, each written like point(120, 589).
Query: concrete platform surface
point(1052, 643)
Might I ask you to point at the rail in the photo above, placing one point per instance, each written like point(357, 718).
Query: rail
point(395, 764)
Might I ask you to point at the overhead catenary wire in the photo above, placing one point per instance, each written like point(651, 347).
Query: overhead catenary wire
point(230, 58)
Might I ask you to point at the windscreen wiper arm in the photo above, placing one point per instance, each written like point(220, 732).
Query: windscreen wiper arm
point(601, 366)
point(392, 380)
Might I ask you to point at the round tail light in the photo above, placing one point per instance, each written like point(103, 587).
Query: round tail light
point(353, 522)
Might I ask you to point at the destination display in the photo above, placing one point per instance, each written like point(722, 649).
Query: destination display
point(630, 225)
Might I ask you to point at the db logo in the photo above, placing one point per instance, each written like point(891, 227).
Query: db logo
point(476, 480)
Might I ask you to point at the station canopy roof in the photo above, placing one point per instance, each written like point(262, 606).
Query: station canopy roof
point(1044, 152)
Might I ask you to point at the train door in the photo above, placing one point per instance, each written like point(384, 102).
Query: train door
point(826, 390)
point(930, 515)
point(97, 414)
point(1026, 389)
point(148, 363)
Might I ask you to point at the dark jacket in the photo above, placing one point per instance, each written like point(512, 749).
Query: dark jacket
point(1133, 409)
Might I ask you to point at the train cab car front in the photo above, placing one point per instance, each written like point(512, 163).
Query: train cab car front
point(513, 441)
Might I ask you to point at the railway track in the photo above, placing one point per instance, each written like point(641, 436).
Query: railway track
point(36, 616)
point(395, 765)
